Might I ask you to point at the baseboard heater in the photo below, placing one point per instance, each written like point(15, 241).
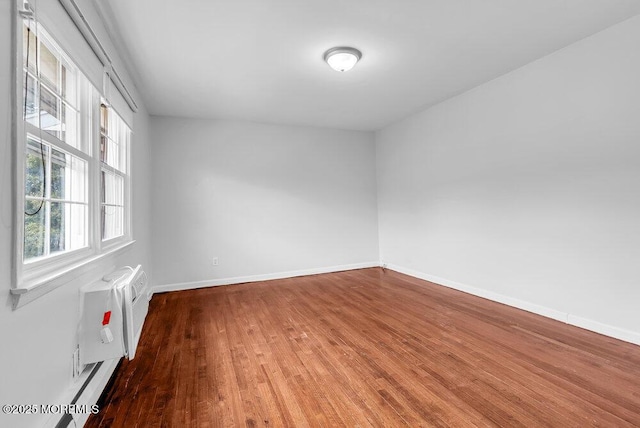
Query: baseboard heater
point(92, 381)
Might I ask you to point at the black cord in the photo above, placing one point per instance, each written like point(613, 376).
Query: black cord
point(26, 93)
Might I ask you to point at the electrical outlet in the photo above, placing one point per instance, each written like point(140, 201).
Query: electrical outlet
point(214, 261)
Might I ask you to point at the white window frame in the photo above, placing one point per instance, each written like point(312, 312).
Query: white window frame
point(126, 175)
point(35, 277)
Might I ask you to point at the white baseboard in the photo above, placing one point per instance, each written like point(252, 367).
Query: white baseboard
point(587, 324)
point(254, 278)
point(95, 385)
point(605, 329)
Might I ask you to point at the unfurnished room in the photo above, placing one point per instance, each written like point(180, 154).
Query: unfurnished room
point(279, 213)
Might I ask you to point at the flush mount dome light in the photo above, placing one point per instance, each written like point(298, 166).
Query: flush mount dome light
point(342, 58)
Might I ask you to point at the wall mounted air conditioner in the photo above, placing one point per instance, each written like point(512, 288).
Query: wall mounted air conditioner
point(112, 315)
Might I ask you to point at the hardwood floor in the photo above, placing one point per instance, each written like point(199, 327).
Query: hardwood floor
point(365, 348)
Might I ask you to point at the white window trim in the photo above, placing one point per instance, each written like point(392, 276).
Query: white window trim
point(107, 244)
point(34, 279)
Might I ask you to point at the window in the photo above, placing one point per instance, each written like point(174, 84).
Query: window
point(74, 147)
point(55, 215)
point(114, 143)
point(56, 156)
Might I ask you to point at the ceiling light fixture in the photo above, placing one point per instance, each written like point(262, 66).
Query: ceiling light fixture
point(342, 58)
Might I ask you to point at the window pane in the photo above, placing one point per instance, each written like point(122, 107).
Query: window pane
point(68, 176)
point(49, 112)
point(112, 221)
point(34, 169)
point(34, 229)
point(114, 139)
point(112, 188)
point(77, 230)
point(104, 119)
point(66, 86)
point(103, 148)
point(123, 143)
point(29, 44)
point(49, 68)
point(112, 154)
point(31, 107)
point(76, 184)
point(69, 125)
point(56, 117)
point(58, 174)
point(68, 227)
point(84, 127)
point(57, 230)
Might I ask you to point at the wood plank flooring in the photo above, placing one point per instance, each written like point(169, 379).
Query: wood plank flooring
point(365, 348)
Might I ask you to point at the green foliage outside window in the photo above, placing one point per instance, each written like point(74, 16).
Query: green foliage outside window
point(36, 210)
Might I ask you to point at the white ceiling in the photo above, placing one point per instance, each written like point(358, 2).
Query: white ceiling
point(261, 60)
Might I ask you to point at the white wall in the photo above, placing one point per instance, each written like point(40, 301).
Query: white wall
point(38, 339)
point(264, 199)
point(526, 188)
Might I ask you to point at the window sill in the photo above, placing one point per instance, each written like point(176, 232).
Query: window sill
point(26, 294)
